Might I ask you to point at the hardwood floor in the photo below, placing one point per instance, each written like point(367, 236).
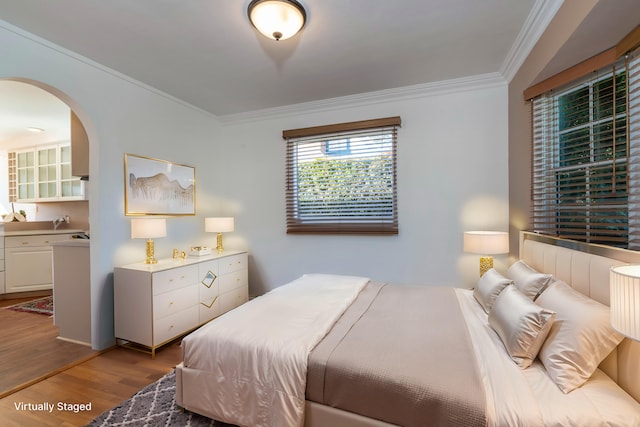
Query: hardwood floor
point(103, 382)
point(36, 367)
point(30, 351)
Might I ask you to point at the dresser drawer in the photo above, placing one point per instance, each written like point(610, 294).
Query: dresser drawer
point(233, 299)
point(176, 324)
point(167, 280)
point(207, 268)
point(207, 293)
point(168, 303)
point(233, 280)
point(34, 240)
point(209, 309)
point(233, 263)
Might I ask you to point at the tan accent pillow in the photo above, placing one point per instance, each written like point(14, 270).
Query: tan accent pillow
point(580, 338)
point(529, 281)
point(521, 324)
point(489, 287)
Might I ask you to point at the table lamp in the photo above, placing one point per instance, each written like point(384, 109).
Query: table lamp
point(218, 225)
point(624, 285)
point(148, 228)
point(486, 243)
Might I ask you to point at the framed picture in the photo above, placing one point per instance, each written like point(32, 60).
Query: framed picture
point(158, 187)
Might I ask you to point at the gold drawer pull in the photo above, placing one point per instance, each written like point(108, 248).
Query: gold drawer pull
point(170, 302)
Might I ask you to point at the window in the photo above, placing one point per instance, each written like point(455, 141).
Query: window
point(583, 135)
point(342, 178)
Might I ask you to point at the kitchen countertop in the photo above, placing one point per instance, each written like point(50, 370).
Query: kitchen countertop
point(35, 232)
point(72, 242)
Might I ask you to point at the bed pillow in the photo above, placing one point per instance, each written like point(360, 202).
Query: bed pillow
point(580, 338)
point(489, 287)
point(529, 281)
point(521, 324)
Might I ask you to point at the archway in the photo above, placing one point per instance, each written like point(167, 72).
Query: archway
point(23, 104)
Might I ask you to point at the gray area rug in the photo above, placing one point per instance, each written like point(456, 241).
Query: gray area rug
point(154, 405)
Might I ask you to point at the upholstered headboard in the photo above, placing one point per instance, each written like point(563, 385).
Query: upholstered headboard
point(586, 268)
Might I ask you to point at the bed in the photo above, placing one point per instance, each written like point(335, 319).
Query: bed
point(348, 351)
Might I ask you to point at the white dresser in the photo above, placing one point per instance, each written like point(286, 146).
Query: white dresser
point(156, 303)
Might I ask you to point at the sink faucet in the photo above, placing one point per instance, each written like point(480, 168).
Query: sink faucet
point(58, 221)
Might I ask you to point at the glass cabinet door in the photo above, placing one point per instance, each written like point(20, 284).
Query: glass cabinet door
point(70, 186)
point(47, 173)
point(44, 174)
point(25, 175)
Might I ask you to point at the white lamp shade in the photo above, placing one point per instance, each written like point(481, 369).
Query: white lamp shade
point(277, 19)
point(486, 242)
point(625, 300)
point(218, 225)
point(148, 228)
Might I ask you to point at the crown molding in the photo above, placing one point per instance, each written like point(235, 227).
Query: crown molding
point(481, 81)
point(536, 23)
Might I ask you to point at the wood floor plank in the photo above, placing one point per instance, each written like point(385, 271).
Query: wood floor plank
point(104, 381)
point(36, 367)
point(30, 350)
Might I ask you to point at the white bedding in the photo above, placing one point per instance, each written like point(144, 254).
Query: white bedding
point(274, 334)
point(525, 397)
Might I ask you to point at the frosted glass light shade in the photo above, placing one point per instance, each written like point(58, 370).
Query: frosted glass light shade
point(277, 19)
point(625, 300)
point(218, 224)
point(148, 228)
point(486, 242)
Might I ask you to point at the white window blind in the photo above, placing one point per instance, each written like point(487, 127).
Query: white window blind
point(586, 176)
point(342, 178)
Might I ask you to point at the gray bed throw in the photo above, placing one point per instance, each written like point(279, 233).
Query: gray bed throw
point(402, 355)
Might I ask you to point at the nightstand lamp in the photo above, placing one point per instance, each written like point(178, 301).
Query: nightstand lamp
point(625, 300)
point(218, 225)
point(486, 243)
point(148, 228)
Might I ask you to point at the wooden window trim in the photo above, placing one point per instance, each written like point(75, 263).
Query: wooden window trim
point(341, 127)
point(587, 66)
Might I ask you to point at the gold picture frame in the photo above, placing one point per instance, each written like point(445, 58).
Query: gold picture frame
point(158, 187)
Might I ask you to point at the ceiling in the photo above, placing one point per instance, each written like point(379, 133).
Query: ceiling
point(206, 53)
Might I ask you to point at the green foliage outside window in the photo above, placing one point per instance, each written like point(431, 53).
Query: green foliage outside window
point(327, 185)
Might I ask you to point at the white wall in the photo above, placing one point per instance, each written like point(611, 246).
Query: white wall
point(120, 117)
point(452, 175)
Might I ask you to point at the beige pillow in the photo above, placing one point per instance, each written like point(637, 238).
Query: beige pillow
point(521, 324)
point(489, 287)
point(580, 338)
point(529, 281)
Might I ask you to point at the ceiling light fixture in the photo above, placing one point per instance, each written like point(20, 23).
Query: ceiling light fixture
point(32, 129)
point(277, 19)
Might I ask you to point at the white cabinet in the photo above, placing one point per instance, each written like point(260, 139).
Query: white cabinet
point(44, 174)
point(29, 261)
point(156, 303)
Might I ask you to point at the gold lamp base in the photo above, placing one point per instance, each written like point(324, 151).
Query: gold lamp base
point(219, 246)
point(150, 253)
point(486, 263)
